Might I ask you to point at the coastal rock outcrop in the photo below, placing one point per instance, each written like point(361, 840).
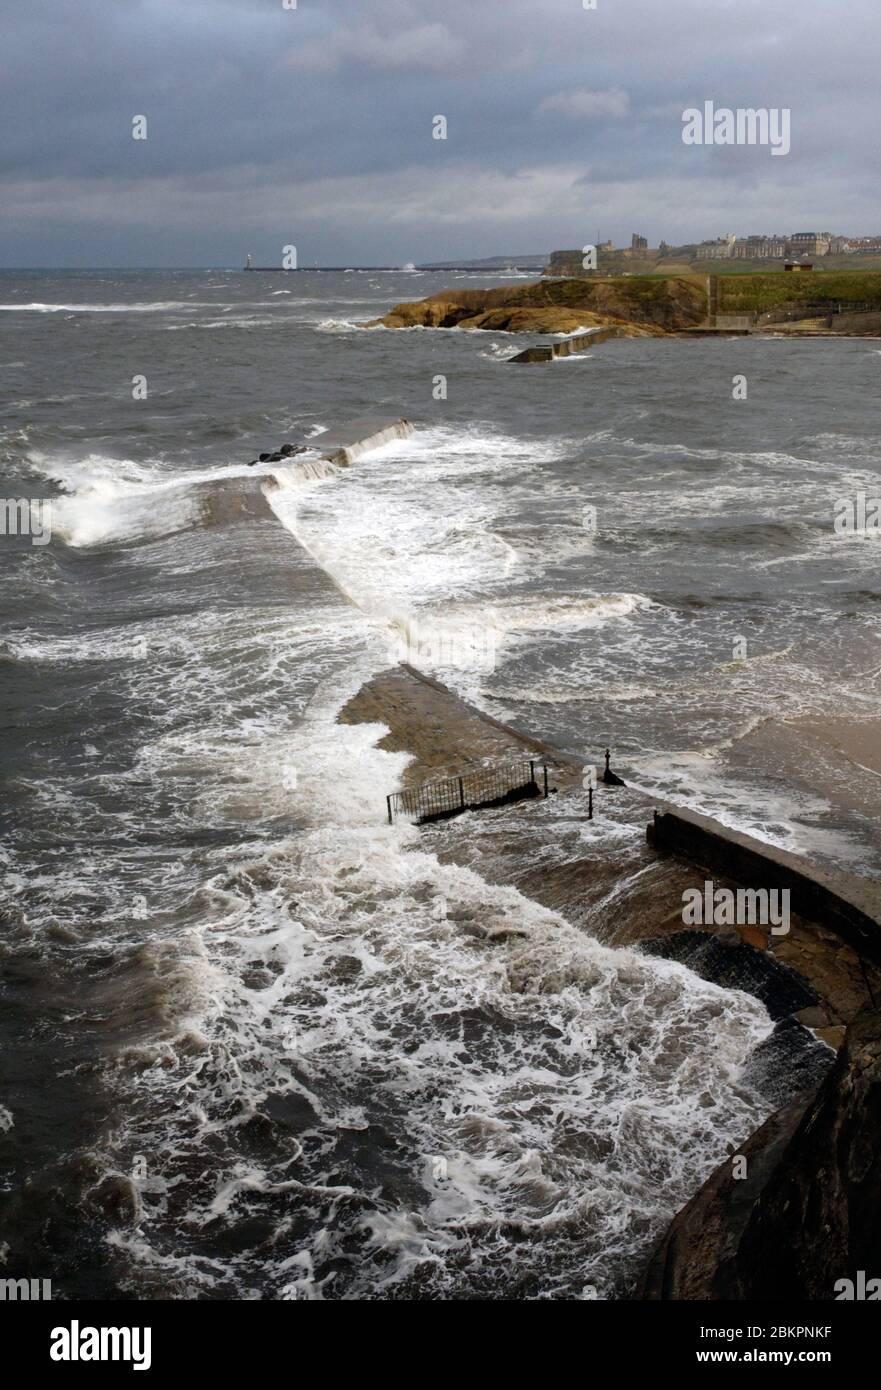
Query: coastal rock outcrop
point(638, 306)
point(807, 1215)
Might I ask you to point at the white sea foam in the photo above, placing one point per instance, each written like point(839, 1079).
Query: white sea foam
point(426, 557)
point(108, 500)
point(499, 352)
point(155, 308)
point(415, 571)
point(371, 1071)
point(334, 325)
point(556, 613)
point(544, 1093)
point(548, 694)
point(793, 818)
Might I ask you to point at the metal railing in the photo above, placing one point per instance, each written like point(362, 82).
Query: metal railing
point(484, 787)
point(816, 309)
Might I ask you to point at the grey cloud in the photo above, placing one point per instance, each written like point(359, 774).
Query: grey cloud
point(425, 48)
point(578, 103)
point(269, 125)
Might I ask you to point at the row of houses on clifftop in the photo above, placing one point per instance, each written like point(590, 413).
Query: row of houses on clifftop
point(798, 249)
point(772, 247)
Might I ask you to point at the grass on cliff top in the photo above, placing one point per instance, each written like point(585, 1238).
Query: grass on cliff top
point(752, 293)
point(741, 292)
point(576, 291)
point(677, 301)
point(638, 286)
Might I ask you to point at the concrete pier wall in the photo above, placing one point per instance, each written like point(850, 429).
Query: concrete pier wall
point(579, 342)
point(344, 445)
point(844, 903)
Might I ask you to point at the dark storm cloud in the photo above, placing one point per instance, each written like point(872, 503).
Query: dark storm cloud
point(312, 125)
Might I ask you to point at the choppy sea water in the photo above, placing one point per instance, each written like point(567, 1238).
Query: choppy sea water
point(257, 1043)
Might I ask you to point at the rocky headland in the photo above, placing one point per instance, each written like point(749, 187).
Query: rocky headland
point(637, 307)
point(814, 305)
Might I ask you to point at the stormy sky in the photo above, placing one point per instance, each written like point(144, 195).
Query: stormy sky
point(312, 125)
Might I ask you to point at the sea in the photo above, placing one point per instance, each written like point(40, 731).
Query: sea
point(253, 1043)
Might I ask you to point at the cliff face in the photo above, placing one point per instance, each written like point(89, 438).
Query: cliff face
point(807, 1215)
point(561, 306)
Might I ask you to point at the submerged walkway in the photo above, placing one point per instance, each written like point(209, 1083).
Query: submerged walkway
point(602, 875)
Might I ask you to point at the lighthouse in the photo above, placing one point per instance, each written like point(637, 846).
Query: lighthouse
point(248, 262)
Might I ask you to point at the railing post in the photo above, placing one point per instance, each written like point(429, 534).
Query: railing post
point(531, 771)
point(546, 780)
point(388, 802)
point(461, 794)
point(590, 803)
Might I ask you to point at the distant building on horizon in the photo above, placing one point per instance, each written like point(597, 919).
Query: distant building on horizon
point(861, 245)
point(810, 243)
point(760, 247)
point(772, 252)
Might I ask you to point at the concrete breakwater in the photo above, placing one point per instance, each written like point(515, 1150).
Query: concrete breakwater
point(623, 889)
point(579, 342)
point(809, 1163)
point(238, 497)
point(338, 448)
point(641, 881)
point(347, 443)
